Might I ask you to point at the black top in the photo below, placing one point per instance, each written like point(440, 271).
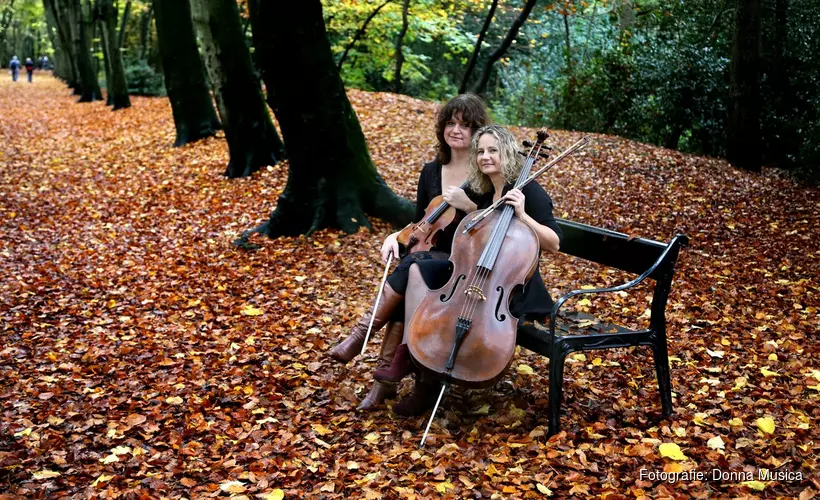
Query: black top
point(429, 187)
point(534, 302)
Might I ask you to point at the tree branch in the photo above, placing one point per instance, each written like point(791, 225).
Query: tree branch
point(495, 56)
point(474, 58)
point(360, 33)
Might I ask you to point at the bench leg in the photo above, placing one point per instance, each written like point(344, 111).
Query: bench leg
point(556, 386)
point(661, 355)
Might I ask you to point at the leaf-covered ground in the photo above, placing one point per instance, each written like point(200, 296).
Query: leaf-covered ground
point(142, 356)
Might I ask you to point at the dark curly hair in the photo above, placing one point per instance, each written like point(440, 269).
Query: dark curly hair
point(473, 113)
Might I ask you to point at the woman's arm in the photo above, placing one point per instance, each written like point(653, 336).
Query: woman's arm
point(457, 198)
point(547, 237)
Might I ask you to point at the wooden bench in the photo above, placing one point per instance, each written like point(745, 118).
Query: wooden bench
point(638, 256)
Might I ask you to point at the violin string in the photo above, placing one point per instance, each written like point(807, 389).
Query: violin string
point(482, 275)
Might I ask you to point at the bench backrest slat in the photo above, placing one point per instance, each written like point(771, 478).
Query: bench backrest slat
point(610, 248)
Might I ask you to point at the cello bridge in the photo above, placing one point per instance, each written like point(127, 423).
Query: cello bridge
point(472, 289)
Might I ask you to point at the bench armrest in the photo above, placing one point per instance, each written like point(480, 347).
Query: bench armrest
point(677, 240)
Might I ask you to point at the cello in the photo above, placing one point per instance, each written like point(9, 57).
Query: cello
point(422, 235)
point(463, 332)
point(418, 237)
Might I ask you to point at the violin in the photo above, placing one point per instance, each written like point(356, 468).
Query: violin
point(463, 332)
point(422, 235)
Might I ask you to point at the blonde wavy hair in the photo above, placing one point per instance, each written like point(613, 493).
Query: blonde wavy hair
point(511, 161)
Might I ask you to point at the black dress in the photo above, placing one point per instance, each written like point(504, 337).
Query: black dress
point(429, 187)
point(534, 302)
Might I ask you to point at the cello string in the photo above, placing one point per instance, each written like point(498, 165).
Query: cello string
point(474, 301)
point(494, 244)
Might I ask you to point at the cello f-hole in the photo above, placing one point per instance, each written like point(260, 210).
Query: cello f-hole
point(445, 298)
point(498, 304)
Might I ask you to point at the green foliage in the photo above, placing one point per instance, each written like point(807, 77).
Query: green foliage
point(654, 71)
point(23, 30)
point(434, 41)
point(142, 79)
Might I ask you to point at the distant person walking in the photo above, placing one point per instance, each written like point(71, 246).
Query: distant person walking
point(29, 68)
point(14, 68)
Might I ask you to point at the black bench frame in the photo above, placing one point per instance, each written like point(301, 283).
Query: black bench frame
point(645, 258)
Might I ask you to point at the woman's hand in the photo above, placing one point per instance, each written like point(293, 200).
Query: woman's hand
point(515, 198)
point(391, 244)
point(457, 198)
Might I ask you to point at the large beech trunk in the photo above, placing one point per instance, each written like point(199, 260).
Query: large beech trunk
point(115, 73)
point(744, 137)
point(89, 86)
point(194, 115)
point(331, 181)
point(252, 139)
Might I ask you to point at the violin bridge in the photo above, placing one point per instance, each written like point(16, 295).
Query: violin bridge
point(474, 290)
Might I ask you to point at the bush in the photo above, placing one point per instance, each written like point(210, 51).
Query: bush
point(143, 80)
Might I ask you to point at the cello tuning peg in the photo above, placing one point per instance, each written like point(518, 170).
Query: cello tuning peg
point(527, 144)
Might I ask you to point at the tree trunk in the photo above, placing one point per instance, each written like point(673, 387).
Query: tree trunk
point(126, 13)
point(252, 139)
point(360, 33)
point(115, 73)
point(331, 179)
point(474, 58)
point(479, 87)
point(97, 35)
point(744, 138)
point(626, 17)
point(399, 44)
point(62, 21)
point(89, 86)
point(785, 136)
point(570, 97)
point(61, 70)
point(145, 29)
point(194, 115)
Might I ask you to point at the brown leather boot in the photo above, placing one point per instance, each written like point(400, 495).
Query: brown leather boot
point(422, 398)
point(401, 366)
point(350, 347)
point(380, 390)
